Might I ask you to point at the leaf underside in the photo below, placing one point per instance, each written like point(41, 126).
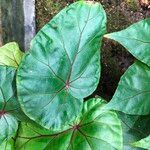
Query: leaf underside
point(62, 66)
point(133, 92)
point(94, 129)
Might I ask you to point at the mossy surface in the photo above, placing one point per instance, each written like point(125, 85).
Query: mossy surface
point(115, 59)
point(46, 9)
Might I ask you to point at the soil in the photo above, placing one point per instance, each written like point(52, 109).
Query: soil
point(115, 58)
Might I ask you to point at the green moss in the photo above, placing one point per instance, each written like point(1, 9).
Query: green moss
point(132, 4)
point(46, 9)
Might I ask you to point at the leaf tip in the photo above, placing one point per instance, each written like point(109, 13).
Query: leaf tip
point(107, 36)
point(91, 3)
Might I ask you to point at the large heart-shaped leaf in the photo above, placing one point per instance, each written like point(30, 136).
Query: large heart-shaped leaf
point(143, 143)
point(8, 103)
point(133, 92)
point(63, 65)
point(136, 39)
point(10, 55)
point(134, 129)
point(94, 129)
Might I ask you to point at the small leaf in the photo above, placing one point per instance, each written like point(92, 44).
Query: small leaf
point(133, 92)
point(8, 101)
point(10, 55)
point(136, 39)
point(143, 143)
point(94, 129)
point(62, 66)
point(134, 129)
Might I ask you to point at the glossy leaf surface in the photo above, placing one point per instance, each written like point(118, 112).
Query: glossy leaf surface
point(133, 92)
point(134, 129)
point(143, 143)
point(10, 55)
point(95, 129)
point(62, 66)
point(136, 39)
point(8, 103)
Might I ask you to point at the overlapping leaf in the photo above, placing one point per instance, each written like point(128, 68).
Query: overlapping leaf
point(94, 129)
point(8, 103)
point(133, 92)
point(10, 110)
point(136, 39)
point(143, 143)
point(63, 65)
point(10, 55)
point(134, 129)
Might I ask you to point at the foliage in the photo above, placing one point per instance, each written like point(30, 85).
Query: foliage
point(93, 127)
point(136, 41)
point(134, 128)
point(144, 143)
point(61, 68)
point(132, 94)
point(65, 80)
point(10, 55)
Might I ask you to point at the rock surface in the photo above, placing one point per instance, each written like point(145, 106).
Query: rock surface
point(17, 22)
point(29, 22)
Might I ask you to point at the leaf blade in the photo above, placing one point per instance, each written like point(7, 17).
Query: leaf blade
point(7, 145)
point(85, 132)
point(134, 129)
point(143, 143)
point(67, 52)
point(134, 85)
point(135, 39)
point(8, 122)
point(10, 55)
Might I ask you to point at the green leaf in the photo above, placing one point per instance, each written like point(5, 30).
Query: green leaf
point(62, 66)
point(8, 101)
point(7, 145)
point(10, 55)
point(133, 92)
point(134, 129)
point(94, 129)
point(136, 39)
point(10, 110)
point(9, 126)
point(143, 143)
